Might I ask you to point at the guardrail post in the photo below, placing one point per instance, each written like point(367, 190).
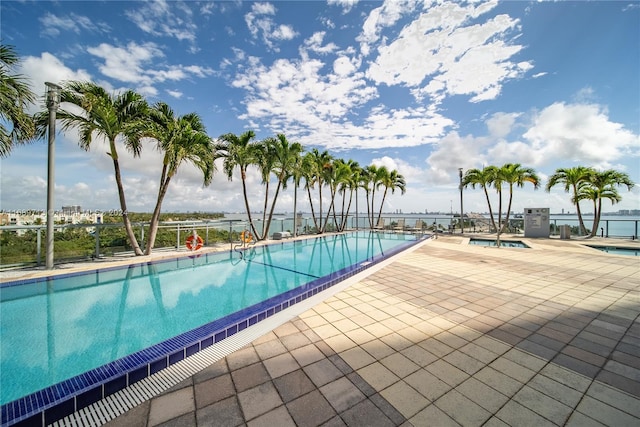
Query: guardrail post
point(178, 237)
point(97, 236)
point(206, 240)
point(142, 235)
point(38, 249)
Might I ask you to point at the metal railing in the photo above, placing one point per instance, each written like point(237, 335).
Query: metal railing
point(24, 244)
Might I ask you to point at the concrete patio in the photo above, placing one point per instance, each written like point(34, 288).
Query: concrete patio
point(447, 334)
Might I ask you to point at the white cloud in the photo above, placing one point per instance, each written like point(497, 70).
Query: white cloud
point(53, 25)
point(581, 133)
point(175, 93)
point(384, 16)
point(501, 124)
point(346, 5)
point(47, 68)
point(437, 55)
point(166, 19)
point(132, 64)
point(261, 24)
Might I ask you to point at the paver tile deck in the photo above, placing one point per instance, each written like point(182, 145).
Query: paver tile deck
point(445, 334)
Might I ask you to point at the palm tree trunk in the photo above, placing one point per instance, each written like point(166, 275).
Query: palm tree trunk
point(384, 196)
point(583, 229)
point(273, 206)
point(243, 174)
point(597, 206)
point(125, 214)
point(499, 229)
point(506, 219)
point(369, 216)
point(321, 228)
point(493, 221)
point(313, 211)
point(373, 211)
point(153, 227)
point(295, 209)
point(264, 210)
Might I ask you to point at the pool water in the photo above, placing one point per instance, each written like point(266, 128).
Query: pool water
point(618, 251)
point(59, 327)
point(503, 243)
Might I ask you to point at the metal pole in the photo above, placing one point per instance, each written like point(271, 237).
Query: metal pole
point(53, 100)
point(461, 208)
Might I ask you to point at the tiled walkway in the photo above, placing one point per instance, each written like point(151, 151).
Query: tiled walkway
point(449, 334)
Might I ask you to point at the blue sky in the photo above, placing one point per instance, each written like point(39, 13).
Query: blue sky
point(421, 87)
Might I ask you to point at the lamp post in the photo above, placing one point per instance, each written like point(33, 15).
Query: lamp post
point(53, 101)
point(461, 208)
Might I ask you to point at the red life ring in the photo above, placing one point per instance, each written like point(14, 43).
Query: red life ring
point(194, 243)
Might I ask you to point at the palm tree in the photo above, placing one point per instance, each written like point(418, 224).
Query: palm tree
point(484, 178)
point(297, 173)
point(182, 139)
point(573, 179)
point(317, 168)
point(515, 174)
point(350, 182)
point(237, 152)
point(108, 116)
point(284, 156)
point(394, 181)
point(374, 176)
point(15, 98)
point(602, 185)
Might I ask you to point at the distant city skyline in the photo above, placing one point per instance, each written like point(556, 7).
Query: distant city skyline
point(421, 87)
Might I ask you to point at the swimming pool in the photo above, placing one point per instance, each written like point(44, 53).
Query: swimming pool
point(69, 340)
point(503, 243)
point(617, 250)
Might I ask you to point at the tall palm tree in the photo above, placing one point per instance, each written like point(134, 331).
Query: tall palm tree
point(393, 181)
point(106, 116)
point(284, 156)
point(182, 139)
point(262, 154)
point(374, 177)
point(572, 178)
point(297, 173)
point(484, 179)
point(237, 152)
point(15, 98)
point(350, 182)
point(318, 170)
point(602, 185)
point(516, 174)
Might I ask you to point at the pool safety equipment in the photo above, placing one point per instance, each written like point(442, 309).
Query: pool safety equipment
point(194, 242)
point(536, 222)
point(246, 236)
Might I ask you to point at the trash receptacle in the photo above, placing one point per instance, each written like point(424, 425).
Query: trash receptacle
point(565, 232)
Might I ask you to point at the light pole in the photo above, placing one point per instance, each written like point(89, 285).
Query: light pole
point(461, 208)
point(53, 101)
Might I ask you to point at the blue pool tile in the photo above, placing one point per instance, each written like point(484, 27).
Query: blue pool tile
point(59, 411)
point(158, 365)
point(220, 336)
point(206, 342)
point(232, 330)
point(138, 374)
point(193, 349)
point(115, 385)
point(35, 420)
point(176, 357)
point(88, 397)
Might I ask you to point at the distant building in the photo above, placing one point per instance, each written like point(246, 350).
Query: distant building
point(71, 210)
